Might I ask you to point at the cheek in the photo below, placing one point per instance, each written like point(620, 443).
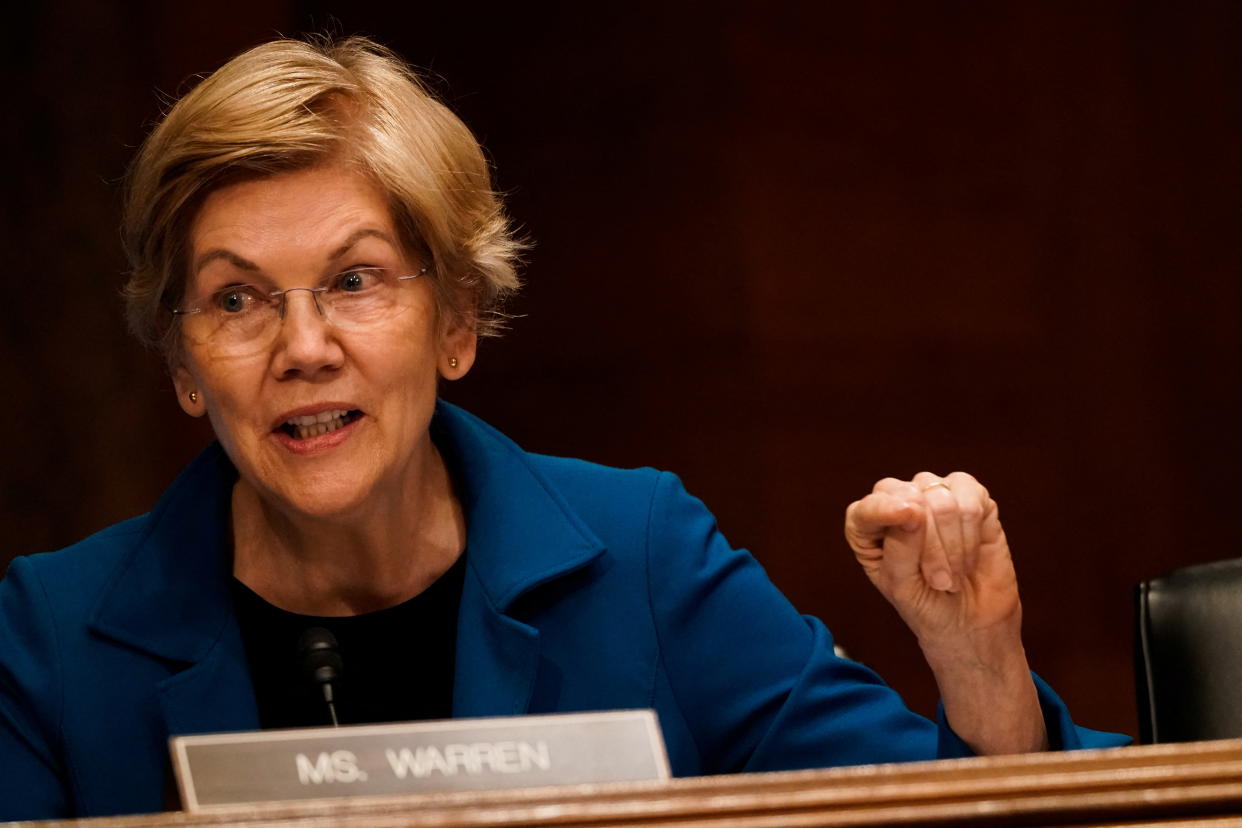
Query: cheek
point(401, 353)
point(228, 417)
point(231, 389)
point(410, 373)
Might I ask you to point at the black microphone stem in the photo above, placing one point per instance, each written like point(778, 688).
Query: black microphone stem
point(321, 661)
point(327, 696)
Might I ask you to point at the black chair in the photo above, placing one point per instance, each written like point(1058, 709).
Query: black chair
point(1188, 659)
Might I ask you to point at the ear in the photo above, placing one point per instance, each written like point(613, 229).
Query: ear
point(189, 396)
point(458, 345)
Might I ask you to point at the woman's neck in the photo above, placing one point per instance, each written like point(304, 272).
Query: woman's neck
point(391, 549)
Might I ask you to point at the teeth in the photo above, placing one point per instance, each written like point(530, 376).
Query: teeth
point(312, 425)
point(321, 417)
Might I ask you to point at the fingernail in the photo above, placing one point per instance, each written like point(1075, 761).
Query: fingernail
point(941, 581)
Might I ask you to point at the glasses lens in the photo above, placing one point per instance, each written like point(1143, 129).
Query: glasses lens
point(362, 297)
point(235, 318)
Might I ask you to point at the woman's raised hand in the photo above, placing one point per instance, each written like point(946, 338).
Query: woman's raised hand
point(934, 547)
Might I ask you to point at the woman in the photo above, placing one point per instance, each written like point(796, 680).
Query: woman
point(315, 245)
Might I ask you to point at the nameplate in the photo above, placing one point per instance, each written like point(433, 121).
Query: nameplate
point(418, 757)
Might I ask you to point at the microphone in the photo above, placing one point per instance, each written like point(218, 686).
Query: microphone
point(321, 661)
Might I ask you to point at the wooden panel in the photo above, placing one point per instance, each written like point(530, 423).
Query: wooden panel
point(1157, 785)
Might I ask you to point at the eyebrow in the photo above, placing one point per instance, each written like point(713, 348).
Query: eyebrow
point(357, 236)
point(228, 255)
point(245, 264)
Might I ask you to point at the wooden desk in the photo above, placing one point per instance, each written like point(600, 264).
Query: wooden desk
point(1187, 785)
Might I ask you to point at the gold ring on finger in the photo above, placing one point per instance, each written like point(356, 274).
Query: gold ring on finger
point(938, 483)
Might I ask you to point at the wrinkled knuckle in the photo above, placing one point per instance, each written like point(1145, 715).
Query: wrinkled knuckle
point(964, 483)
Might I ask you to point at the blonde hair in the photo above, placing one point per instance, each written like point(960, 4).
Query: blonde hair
point(288, 105)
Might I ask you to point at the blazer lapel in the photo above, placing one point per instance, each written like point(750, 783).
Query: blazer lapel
point(497, 659)
point(170, 599)
point(520, 535)
point(214, 695)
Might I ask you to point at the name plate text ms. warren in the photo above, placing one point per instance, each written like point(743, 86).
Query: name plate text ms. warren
point(418, 757)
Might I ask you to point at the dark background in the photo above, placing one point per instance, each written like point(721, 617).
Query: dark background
point(783, 249)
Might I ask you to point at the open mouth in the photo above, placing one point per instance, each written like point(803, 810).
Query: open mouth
point(313, 425)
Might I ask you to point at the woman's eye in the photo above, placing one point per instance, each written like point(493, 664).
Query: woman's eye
point(353, 281)
point(234, 300)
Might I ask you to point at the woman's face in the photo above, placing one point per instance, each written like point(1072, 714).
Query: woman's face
point(302, 229)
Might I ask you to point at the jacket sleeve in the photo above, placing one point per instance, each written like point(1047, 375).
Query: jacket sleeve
point(33, 781)
point(759, 685)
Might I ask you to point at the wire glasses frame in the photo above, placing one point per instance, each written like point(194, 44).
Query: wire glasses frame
point(242, 317)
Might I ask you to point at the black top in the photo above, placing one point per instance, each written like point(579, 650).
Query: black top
point(397, 663)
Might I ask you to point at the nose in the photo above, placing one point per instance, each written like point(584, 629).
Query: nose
point(284, 300)
point(307, 343)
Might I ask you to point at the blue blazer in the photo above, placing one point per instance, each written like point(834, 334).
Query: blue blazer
point(587, 588)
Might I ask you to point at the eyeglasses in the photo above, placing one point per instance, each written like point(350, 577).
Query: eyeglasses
point(243, 319)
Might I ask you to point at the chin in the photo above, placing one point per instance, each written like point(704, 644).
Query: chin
point(328, 496)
